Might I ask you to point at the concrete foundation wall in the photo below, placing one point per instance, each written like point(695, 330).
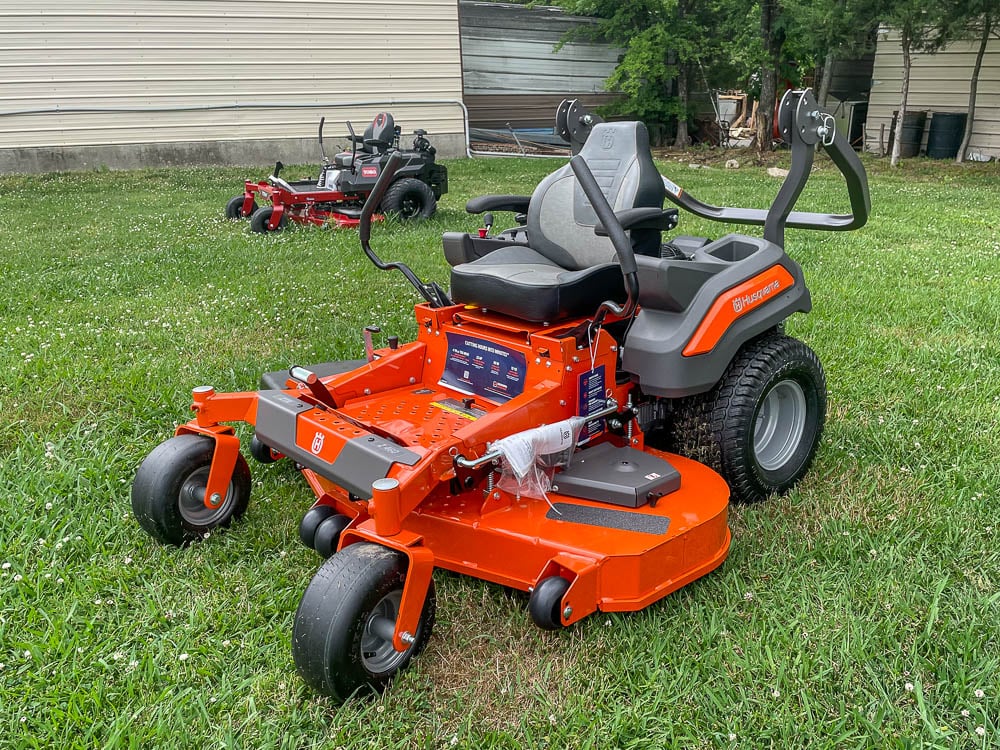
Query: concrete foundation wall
point(260, 154)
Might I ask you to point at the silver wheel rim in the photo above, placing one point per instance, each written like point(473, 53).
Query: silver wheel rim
point(377, 652)
point(191, 501)
point(780, 424)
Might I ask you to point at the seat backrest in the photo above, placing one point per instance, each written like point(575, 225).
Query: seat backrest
point(560, 218)
point(382, 131)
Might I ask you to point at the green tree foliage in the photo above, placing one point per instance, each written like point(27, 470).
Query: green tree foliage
point(667, 45)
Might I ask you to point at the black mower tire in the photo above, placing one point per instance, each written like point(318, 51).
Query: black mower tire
point(168, 491)
point(335, 648)
point(261, 217)
point(234, 209)
point(760, 426)
point(545, 604)
point(409, 198)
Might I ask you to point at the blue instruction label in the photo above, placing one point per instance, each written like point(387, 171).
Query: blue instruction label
point(484, 368)
point(591, 400)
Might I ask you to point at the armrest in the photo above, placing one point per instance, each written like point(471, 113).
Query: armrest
point(642, 218)
point(516, 203)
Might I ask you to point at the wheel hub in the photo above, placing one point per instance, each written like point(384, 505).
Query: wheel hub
point(191, 501)
point(377, 652)
point(780, 425)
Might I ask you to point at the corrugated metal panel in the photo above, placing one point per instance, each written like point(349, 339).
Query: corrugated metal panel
point(509, 49)
point(938, 83)
point(524, 110)
point(213, 55)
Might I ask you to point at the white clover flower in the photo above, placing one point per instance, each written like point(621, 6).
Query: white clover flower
point(979, 693)
point(981, 731)
point(183, 657)
point(908, 687)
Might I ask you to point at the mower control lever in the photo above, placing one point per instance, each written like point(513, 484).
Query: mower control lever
point(432, 293)
point(326, 160)
point(621, 242)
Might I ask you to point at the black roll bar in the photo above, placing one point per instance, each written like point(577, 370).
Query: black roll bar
point(805, 126)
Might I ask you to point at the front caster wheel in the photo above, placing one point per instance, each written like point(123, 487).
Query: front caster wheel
point(545, 604)
point(168, 493)
point(261, 218)
point(234, 208)
point(342, 636)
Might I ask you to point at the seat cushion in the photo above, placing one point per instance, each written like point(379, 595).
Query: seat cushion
point(524, 284)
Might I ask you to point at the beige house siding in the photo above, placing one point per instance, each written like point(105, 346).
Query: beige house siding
point(221, 78)
point(938, 83)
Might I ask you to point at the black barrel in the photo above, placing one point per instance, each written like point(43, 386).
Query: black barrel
point(945, 135)
point(913, 133)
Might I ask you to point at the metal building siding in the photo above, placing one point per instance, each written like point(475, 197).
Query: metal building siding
point(938, 83)
point(511, 66)
point(155, 58)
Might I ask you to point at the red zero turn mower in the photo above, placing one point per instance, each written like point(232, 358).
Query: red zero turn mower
point(513, 439)
point(339, 193)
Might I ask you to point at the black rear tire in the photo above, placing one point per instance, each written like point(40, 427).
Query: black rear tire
point(409, 198)
point(339, 639)
point(760, 426)
point(169, 489)
point(234, 209)
point(261, 217)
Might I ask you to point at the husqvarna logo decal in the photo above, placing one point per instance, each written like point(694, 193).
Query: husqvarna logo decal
point(749, 300)
point(317, 444)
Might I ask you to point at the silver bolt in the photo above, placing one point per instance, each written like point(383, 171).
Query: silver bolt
point(407, 637)
point(216, 498)
point(413, 380)
point(567, 612)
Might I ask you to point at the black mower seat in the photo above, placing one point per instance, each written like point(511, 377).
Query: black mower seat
point(519, 281)
point(566, 270)
point(343, 160)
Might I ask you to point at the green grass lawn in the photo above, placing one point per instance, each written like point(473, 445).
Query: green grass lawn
point(860, 611)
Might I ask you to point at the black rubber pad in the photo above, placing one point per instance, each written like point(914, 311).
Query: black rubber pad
point(609, 518)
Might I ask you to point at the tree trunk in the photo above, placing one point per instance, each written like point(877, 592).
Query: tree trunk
point(773, 43)
point(973, 89)
point(826, 80)
point(683, 140)
point(898, 133)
